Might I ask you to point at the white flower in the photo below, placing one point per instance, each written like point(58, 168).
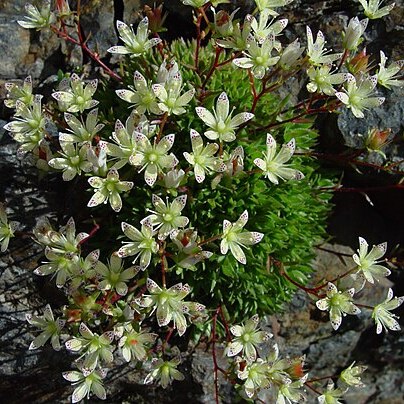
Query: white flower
point(316, 51)
point(222, 124)
point(50, 328)
point(368, 262)
point(134, 44)
point(77, 97)
point(387, 77)
point(322, 80)
point(108, 189)
point(373, 10)
point(80, 132)
point(352, 36)
point(338, 303)
point(234, 238)
point(86, 383)
point(290, 55)
point(247, 338)
point(382, 316)
point(7, 228)
point(350, 375)
point(38, 17)
point(238, 41)
point(16, 92)
point(167, 216)
point(202, 158)
point(72, 160)
point(114, 277)
point(170, 97)
point(262, 29)
point(358, 95)
point(165, 372)
point(141, 95)
point(142, 243)
point(273, 166)
point(258, 57)
point(153, 158)
point(332, 395)
point(28, 128)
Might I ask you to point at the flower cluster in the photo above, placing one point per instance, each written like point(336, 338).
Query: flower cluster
point(339, 303)
point(257, 373)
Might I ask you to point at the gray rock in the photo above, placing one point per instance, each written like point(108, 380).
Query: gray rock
point(14, 46)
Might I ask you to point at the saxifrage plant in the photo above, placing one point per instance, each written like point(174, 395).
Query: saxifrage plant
point(217, 199)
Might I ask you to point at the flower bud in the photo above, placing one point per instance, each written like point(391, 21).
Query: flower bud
point(156, 18)
point(350, 375)
point(359, 64)
point(290, 55)
point(224, 23)
point(377, 139)
point(353, 32)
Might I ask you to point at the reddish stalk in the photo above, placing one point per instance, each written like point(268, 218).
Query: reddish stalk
point(252, 85)
point(198, 38)
point(226, 325)
point(167, 339)
point(348, 159)
point(364, 306)
point(218, 51)
point(162, 124)
point(82, 43)
point(312, 388)
point(311, 291)
point(91, 234)
point(209, 240)
point(163, 268)
point(318, 379)
point(215, 365)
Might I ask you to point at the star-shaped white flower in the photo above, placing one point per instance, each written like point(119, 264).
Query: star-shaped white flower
point(273, 166)
point(382, 316)
point(358, 95)
point(141, 95)
point(142, 244)
point(338, 303)
point(247, 337)
point(167, 216)
point(387, 76)
point(134, 44)
point(202, 158)
point(258, 56)
point(368, 262)
point(316, 51)
point(108, 189)
point(372, 8)
point(153, 158)
point(222, 124)
point(234, 238)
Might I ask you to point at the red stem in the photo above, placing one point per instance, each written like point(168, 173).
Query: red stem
point(91, 234)
point(348, 159)
point(162, 124)
point(85, 49)
point(198, 38)
point(215, 365)
point(226, 325)
point(218, 51)
point(312, 388)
